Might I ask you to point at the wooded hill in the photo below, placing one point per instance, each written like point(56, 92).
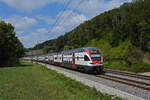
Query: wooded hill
point(122, 34)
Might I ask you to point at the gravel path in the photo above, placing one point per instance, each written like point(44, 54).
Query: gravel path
point(104, 86)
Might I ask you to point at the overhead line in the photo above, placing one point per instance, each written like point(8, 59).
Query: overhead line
point(75, 9)
point(60, 16)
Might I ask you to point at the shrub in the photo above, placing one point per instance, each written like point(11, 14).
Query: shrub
point(133, 55)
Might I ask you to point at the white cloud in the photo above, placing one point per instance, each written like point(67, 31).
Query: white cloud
point(58, 30)
point(91, 6)
point(69, 20)
point(21, 23)
point(38, 36)
point(47, 19)
point(72, 19)
point(27, 5)
point(41, 30)
point(95, 7)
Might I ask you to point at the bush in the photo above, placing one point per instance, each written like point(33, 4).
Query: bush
point(133, 55)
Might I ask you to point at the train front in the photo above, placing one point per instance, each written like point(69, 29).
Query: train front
point(96, 60)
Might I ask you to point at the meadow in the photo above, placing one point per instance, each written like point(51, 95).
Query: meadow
point(29, 81)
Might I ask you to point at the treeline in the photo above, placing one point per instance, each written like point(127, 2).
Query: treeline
point(11, 49)
point(129, 22)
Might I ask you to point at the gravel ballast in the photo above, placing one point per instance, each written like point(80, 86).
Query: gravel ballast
point(104, 86)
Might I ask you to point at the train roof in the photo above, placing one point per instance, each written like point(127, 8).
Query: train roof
point(71, 51)
point(79, 50)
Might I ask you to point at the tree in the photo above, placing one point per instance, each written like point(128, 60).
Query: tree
point(11, 48)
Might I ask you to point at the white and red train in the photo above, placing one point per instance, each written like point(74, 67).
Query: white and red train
point(87, 59)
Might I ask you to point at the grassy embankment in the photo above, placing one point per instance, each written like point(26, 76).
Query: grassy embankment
point(35, 82)
point(124, 57)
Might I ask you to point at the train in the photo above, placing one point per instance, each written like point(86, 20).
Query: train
point(86, 59)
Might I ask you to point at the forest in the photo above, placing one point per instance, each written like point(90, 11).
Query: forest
point(122, 34)
point(11, 49)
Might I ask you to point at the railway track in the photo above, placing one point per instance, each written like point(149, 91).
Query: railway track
point(143, 77)
point(115, 76)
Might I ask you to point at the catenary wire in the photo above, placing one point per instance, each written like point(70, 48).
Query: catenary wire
point(57, 19)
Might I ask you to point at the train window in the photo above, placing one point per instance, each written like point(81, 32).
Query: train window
point(86, 58)
point(77, 58)
point(96, 58)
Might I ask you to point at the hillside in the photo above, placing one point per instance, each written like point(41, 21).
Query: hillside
point(122, 34)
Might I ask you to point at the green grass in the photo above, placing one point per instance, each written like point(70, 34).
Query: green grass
point(35, 82)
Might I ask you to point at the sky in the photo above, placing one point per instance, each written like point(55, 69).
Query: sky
point(36, 21)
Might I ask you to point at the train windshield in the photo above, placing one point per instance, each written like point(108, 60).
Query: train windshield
point(96, 57)
point(95, 54)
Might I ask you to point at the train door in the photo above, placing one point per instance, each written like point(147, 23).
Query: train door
point(62, 64)
point(73, 61)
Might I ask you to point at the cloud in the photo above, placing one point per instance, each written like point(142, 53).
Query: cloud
point(95, 7)
point(27, 5)
point(69, 20)
point(47, 19)
point(38, 36)
point(21, 23)
point(58, 30)
point(72, 19)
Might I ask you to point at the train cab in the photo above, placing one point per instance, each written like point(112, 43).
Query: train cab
point(95, 59)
